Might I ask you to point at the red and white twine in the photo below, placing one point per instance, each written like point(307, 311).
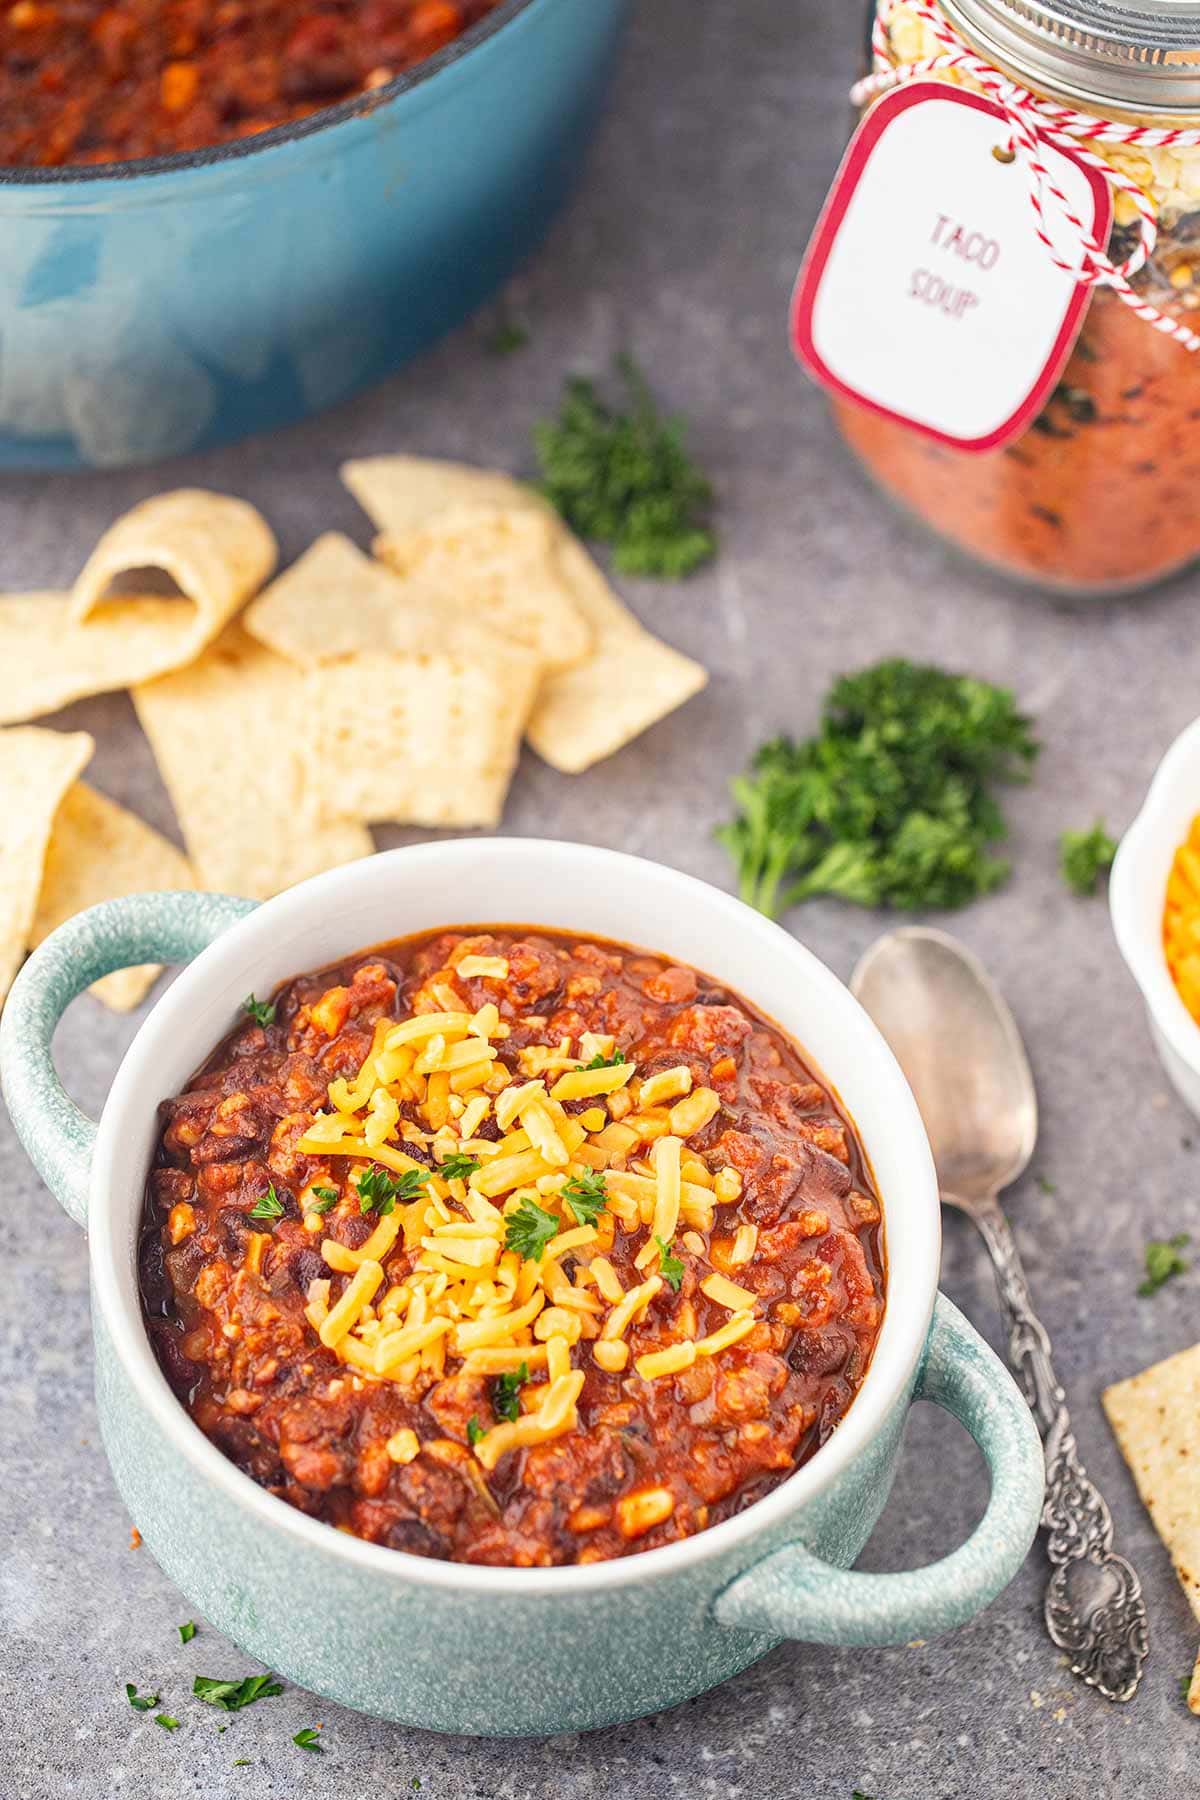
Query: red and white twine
point(1033, 121)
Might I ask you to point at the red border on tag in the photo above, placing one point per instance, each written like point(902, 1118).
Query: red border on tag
point(812, 269)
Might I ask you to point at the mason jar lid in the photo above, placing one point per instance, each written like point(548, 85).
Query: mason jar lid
point(1140, 56)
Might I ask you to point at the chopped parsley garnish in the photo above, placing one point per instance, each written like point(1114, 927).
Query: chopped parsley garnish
point(307, 1740)
point(140, 1702)
point(585, 1197)
point(1163, 1261)
point(261, 1011)
point(458, 1166)
point(378, 1191)
point(187, 1632)
point(625, 479)
point(232, 1696)
point(243, 1762)
point(1084, 856)
point(529, 1229)
point(509, 335)
point(1185, 1686)
point(270, 1206)
point(166, 1721)
point(891, 803)
point(669, 1267)
point(506, 1394)
point(474, 1431)
point(1045, 1183)
point(606, 1062)
point(326, 1197)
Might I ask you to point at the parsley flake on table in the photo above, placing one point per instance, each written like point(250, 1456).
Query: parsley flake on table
point(140, 1702)
point(326, 1197)
point(166, 1721)
point(528, 1229)
point(270, 1206)
point(475, 1431)
point(585, 1196)
point(1045, 1184)
point(1084, 856)
point(458, 1166)
point(506, 1394)
point(378, 1191)
point(232, 1696)
point(891, 803)
point(186, 1632)
point(508, 335)
point(1163, 1261)
point(307, 1740)
point(625, 479)
point(600, 1061)
point(261, 1011)
point(670, 1267)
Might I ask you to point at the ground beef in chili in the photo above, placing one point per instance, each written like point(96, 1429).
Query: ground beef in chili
point(98, 81)
point(228, 1279)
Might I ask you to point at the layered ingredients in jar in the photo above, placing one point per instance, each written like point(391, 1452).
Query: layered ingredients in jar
point(1097, 495)
point(511, 1248)
point(100, 81)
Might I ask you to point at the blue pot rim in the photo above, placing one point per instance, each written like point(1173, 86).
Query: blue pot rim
point(362, 106)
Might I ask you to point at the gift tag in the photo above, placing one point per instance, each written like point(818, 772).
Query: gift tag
point(926, 293)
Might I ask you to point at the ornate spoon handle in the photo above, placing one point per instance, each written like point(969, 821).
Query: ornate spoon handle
point(1094, 1608)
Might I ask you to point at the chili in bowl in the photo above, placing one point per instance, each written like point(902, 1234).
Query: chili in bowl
point(360, 1487)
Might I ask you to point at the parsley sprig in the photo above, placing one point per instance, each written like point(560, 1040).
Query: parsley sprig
point(670, 1267)
point(506, 1393)
point(625, 479)
point(891, 803)
point(528, 1229)
point(600, 1061)
point(261, 1011)
point(232, 1696)
point(268, 1205)
point(1084, 856)
point(326, 1197)
point(585, 1196)
point(1163, 1261)
point(458, 1166)
point(378, 1191)
point(307, 1740)
point(187, 1632)
point(475, 1431)
point(140, 1702)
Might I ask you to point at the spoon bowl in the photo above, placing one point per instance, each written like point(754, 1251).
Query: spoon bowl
point(958, 1044)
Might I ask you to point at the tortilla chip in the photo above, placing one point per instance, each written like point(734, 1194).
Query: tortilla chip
point(217, 551)
point(629, 682)
point(336, 602)
point(229, 735)
point(400, 494)
point(419, 739)
point(1155, 1417)
point(496, 566)
point(36, 769)
point(99, 851)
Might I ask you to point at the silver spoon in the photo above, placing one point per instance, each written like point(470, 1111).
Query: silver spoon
point(958, 1044)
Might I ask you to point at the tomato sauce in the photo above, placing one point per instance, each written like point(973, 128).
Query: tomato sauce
point(241, 1280)
point(100, 81)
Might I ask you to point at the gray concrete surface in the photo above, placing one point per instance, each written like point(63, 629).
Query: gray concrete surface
point(683, 242)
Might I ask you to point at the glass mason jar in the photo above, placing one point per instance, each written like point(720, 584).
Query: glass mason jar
point(1101, 495)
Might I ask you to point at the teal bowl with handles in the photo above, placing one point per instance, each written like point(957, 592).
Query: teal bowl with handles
point(444, 1645)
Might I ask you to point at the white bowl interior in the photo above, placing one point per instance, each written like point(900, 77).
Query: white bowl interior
point(576, 889)
point(1137, 890)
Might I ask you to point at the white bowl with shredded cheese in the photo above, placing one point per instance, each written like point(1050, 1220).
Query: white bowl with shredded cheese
point(455, 1646)
point(1137, 898)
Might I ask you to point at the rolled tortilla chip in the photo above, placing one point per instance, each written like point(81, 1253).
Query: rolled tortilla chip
point(217, 551)
point(498, 564)
point(335, 602)
point(36, 769)
point(629, 682)
point(1155, 1417)
point(229, 734)
point(99, 851)
point(419, 739)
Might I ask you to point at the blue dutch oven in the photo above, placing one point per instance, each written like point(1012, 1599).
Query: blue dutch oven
point(167, 305)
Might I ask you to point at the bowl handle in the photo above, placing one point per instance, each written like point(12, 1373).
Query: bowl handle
point(794, 1593)
point(117, 934)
